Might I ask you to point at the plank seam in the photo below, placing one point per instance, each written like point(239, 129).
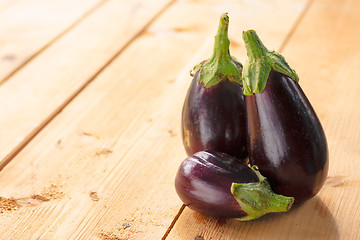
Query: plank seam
point(173, 222)
point(56, 38)
point(296, 25)
point(7, 159)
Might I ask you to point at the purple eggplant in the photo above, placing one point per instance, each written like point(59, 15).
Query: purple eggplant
point(213, 115)
point(219, 185)
point(285, 138)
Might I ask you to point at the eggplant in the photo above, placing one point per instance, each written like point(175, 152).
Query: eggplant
point(219, 185)
point(285, 137)
point(213, 114)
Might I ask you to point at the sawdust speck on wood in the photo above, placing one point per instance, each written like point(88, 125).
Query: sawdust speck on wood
point(8, 204)
point(94, 196)
point(120, 233)
point(52, 192)
point(103, 151)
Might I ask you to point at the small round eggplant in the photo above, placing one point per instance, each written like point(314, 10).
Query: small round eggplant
point(285, 138)
point(213, 114)
point(216, 184)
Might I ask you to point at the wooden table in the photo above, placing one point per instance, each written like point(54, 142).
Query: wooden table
point(90, 98)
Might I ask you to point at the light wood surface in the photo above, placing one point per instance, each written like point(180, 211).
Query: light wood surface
point(29, 27)
point(51, 80)
point(91, 124)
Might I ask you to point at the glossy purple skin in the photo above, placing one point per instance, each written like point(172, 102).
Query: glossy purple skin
point(204, 179)
point(214, 119)
point(286, 140)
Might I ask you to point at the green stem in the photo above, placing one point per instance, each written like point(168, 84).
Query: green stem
point(221, 65)
point(257, 199)
point(254, 47)
point(260, 63)
point(222, 42)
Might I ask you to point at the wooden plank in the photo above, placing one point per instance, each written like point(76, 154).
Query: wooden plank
point(324, 51)
point(332, 59)
point(112, 154)
point(6, 3)
point(41, 88)
point(27, 27)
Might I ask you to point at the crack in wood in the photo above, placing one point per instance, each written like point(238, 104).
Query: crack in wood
point(173, 222)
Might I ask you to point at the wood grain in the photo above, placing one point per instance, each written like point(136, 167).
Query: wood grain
point(325, 53)
point(40, 90)
point(28, 26)
point(329, 78)
point(108, 160)
point(6, 4)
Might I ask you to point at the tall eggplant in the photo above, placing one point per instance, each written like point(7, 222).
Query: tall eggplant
point(285, 138)
point(219, 185)
point(213, 115)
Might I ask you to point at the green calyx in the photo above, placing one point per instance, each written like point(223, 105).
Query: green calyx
point(257, 198)
point(260, 63)
point(221, 65)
